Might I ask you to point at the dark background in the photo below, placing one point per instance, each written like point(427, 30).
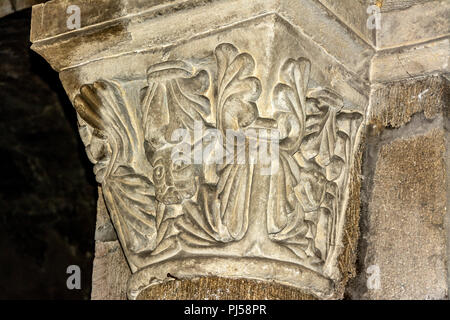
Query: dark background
point(47, 188)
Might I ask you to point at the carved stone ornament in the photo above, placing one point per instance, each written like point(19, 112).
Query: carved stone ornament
point(223, 211)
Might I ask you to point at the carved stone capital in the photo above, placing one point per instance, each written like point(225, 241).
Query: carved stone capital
point(260, 81)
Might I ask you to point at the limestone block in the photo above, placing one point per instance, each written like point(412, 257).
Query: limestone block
point(413, 40)
point(212, 288)
point(419, 23)
point(11, 6)
point(104, 229)
point(406, 236)
point(399, 4)
point(110, 272)
point(410, 62)
point(403, 250)
point(393, 104)
point(23, 4)
point(354, 14)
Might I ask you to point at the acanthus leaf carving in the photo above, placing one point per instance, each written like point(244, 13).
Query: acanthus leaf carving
point(174, 99)
point(305, 196)
point(222, 211)
point(237, 88)
point(163, 208)
point(115, 145)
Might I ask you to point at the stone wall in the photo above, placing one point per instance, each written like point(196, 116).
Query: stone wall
point(404, 222)
point(11, 6)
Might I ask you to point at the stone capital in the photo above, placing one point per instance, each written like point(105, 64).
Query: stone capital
point(137, 72)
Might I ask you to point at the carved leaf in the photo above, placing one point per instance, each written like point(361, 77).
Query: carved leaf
point(131, 200)
point(237, 88)
point(221, 212)
point(289, 99)
point(115, 146)
point(174, 99)
point(103, 107)
point(285, 216)
point(237, 92)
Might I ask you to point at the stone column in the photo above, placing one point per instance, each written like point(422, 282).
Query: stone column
point(144, 76)
point(404, 222)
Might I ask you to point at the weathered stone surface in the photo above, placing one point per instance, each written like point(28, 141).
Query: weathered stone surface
point(354, 14)
point(406, 235)
point(418, 23)
point(271, 71)
point(411, 62)
point(23, 4)
point(393, 104)
point(50, 18)
point(10, 6)
point(108, 35)
point(404, 222)
point(447, 164)
point(110, 272)
point(5, 8)
point(413, 40)
point(221, 289)
point(104, 230)
point(347, 259)
point(398, 4)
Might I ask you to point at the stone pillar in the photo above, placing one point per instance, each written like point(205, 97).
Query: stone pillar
point(272, 73)
point(266, 101)
point(404, 244)
point(404, 223)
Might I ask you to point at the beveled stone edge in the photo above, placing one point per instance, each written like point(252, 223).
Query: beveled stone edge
point(260, 269)
point(130, 6)
point(361, 51)
point(8, 7)
point(130, 9)
point(409, 62)
point(343, 8)
point(126, 13)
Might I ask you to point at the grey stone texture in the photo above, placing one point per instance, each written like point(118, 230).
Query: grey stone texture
point(406, 234)
point(404, 221)
point(416, 24)
point(395, 76)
